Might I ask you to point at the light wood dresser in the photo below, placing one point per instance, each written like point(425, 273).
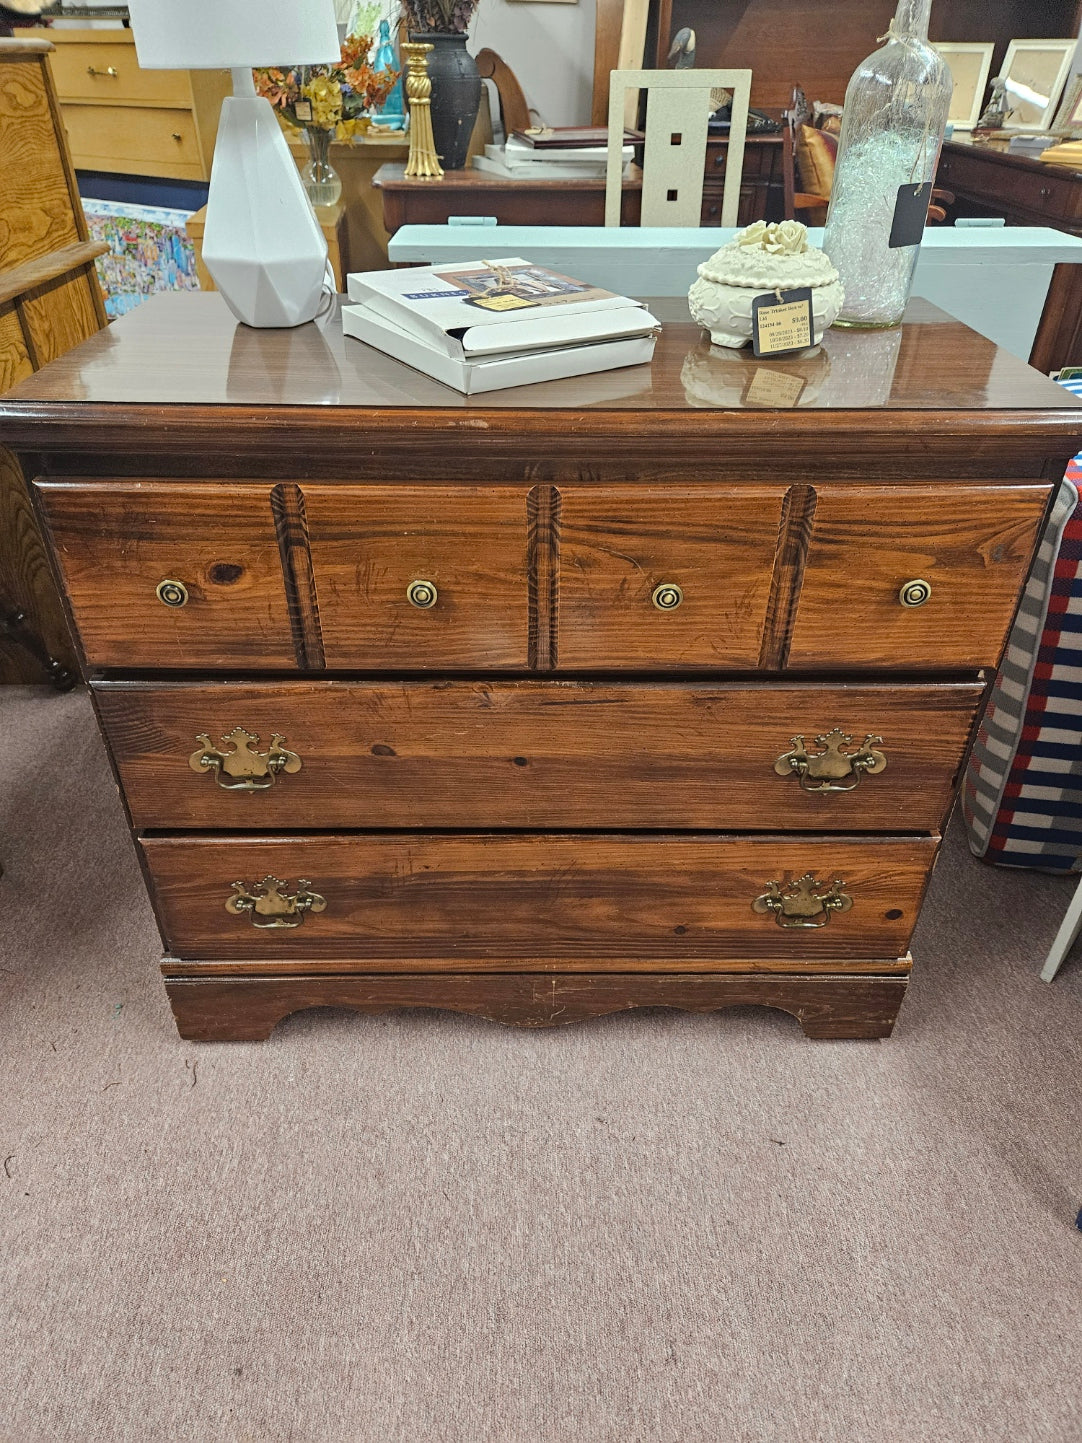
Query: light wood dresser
point(649, 688)
point(132, 121)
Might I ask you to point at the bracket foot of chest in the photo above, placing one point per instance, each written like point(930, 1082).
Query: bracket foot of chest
point(247, 1008)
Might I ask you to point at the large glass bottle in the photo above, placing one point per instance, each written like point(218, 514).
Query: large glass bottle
point(896, 109)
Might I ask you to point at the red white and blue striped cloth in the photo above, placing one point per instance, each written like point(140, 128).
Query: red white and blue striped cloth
point(1022, 795)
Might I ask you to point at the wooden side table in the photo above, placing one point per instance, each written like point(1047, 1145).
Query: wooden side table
point(332, 222)
point(357, 163)
point(574, 202)
point(988, 180)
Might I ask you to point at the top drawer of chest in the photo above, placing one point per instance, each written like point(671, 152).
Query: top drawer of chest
point(675, 578)
point(109, 72)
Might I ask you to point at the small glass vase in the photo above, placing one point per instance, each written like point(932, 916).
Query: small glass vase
point(896, 108)
point(321, 180)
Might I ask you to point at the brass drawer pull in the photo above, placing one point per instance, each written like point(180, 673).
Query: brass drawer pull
point(833, 769)
point(421, 594)
point(177, 136)
point(803, 903)
point(171, 593)
point(111, 71)
point(667, 596)
point(236, 764)
point(268, 906)
point(915, 593)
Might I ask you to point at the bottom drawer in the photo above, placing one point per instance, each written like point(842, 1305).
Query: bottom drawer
point(510, 902)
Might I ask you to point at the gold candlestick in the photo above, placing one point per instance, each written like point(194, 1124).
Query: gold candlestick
point(423, 161)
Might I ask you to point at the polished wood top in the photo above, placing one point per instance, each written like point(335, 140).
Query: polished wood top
point(187, 349)
point(392, 176)
point(179, 377)
point(999, 149)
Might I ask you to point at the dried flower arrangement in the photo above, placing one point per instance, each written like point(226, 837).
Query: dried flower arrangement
point(329, 97)
point(447, 17)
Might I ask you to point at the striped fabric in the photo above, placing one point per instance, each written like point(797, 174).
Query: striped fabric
point(1022, 796)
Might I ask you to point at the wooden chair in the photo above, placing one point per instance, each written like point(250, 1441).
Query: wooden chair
point(678, 108)
point(514, 112)
point(814, 207)
point(50, 300)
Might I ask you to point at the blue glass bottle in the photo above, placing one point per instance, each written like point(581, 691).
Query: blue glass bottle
point(393, 111)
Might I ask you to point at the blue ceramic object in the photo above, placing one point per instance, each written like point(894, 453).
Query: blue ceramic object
point(393, 112)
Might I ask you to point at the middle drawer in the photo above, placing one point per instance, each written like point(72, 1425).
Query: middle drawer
point(537, 754)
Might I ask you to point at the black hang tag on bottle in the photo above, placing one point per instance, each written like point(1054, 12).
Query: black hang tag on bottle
point(782, 322)
point(910, 215)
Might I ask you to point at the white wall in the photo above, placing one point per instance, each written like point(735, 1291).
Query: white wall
point(550, 47)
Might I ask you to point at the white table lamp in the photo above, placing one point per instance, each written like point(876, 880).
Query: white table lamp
point(262, 243)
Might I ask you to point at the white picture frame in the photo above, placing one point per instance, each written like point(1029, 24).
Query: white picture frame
point(1068, 119)
point(1035, 72)
point(970, 64)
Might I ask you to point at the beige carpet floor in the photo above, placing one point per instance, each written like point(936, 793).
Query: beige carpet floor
point(654, 1228)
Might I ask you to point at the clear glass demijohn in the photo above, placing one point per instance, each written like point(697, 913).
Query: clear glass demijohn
point(896, 108)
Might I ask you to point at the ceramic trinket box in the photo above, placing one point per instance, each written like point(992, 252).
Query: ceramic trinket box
point(760, 259)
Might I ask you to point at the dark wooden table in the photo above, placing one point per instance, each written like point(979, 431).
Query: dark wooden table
point(988, 180)
point(575, 202)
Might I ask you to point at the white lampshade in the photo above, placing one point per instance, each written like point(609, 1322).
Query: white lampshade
point(232, 34)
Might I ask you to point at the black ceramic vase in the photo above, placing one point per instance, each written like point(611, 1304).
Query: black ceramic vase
point(456, 95)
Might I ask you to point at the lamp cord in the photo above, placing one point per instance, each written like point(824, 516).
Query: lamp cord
point(329, 293)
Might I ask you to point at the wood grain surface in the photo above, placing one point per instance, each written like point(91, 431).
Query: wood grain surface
point(181, 375)
point(115, 543)
point(537, 754)
point(508, 900)
point(15, 362)
point(248, 1008)
point(867, 543)
point(26, 582)
point(370, 543)
point(37, 215)
point(59, 314)
point(50, 301)
point(16, 280)
point(107, 137)
point(617, 544)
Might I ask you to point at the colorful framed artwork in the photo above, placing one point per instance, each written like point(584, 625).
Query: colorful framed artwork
point(1035, 72)
point(1069, 116)
point(970, 65)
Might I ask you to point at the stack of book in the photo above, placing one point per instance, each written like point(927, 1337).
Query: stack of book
point(570, 153)
point(483, 325)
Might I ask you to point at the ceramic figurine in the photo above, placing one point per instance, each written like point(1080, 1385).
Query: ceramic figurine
point(757, 261)
point(682, 50)
point(995, 112)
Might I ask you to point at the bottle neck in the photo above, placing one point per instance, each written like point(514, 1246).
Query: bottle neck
point(912, 18)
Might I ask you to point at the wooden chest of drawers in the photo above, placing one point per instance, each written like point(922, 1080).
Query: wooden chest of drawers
point(575, 698)
point(132, 121)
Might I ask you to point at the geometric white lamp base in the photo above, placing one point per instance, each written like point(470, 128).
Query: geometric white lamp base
point(262, 243)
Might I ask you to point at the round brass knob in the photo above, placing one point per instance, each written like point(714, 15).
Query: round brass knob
point(177, 136)
point(667, 596)
point(915, 593)
point(421, 594)
point(171, 593)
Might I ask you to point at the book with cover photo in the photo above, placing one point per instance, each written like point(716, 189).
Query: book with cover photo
point(491, 307)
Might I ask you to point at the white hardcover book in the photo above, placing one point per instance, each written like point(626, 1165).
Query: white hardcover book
point(497, 307)
point(494, 373)
point(494, 166)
